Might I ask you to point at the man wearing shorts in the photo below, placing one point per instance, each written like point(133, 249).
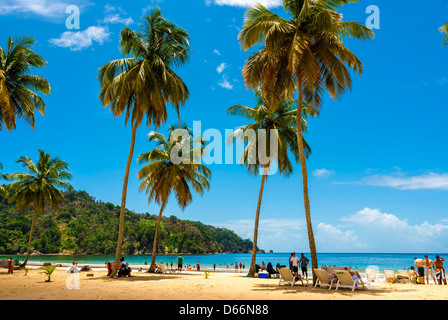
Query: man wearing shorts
point(180, 262)
point(294, 261)
point(428, 269)
point(420, 264)
point(303, 264)
point(440, 271)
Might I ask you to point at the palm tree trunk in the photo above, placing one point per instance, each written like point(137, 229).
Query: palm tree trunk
point(252, 269)
point(306, 199)
point(123, 202)
point(154, 247)
point(29, 241)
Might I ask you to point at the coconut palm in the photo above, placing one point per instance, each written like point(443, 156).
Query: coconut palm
point(444, 29)
point(281, 124)
point(19, 90)
point(303, 54)
point(142, 84)
point(41, 185)
point(3, 191)
point(173, 166)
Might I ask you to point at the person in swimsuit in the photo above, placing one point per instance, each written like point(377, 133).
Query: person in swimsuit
point(440, 271)
point(420, 264)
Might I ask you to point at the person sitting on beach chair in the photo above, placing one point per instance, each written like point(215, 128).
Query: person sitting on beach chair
point(271, 270)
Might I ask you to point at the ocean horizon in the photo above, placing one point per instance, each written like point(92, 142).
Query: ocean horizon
point(357, 261)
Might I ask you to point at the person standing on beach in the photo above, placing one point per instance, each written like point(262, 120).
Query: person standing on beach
point(420, 264)
point(438, 266)
point(428, 269)
point(180, 262)
point(303, 264)
point(294, 262)
point(198, 267)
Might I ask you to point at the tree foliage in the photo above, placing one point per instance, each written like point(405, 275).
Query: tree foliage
point(84, 225)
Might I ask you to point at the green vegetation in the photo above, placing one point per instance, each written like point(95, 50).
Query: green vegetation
point(86, 226)
point(40, 186)
point(18, 89)
point(444, 29)
point(48, 271)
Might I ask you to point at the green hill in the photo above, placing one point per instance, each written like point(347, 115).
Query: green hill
point(86, 226)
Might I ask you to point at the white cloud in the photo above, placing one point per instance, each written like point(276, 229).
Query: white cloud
point(425, 181)
point(221, 67)
point(225, 83)
point(331, 239)
point(247, 3)
point(116, 18)
point(387, 232)
point(367, 230)
point(114, 15)
point(273, 234)
point(217, 52)
point(79, 40)
point(322, 173)
point(43, 8)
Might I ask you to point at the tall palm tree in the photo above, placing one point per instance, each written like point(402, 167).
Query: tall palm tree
point(142, 84)
point(19, 90)
point(3, 191)
point(163, 174)
point(304, 54)
point(283, 123)
point(40, 186)
point(444, 29)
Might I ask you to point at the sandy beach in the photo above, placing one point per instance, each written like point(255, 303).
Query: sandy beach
point(94, 285)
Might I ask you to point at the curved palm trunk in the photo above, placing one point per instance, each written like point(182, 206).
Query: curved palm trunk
point(154, 247)
point(29, 241)
point(252, 269)
point(123, 202)
point(306, 199)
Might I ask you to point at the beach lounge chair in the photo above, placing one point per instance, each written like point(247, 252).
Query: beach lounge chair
point(287, 276)
point(371, 275)
point(403, 274)
point(323, 278)
point(332, 270)
point(345, 280)
point(389, 276)
point(161, 268)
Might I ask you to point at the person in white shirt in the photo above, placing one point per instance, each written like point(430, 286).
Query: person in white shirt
point(294, 260)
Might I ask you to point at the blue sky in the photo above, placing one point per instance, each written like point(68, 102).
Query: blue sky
point(378, 174)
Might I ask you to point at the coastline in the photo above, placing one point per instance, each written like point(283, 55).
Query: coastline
point(95, 285)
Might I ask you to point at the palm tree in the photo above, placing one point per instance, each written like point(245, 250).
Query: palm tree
point(41, 185)
point(303, 54)
point(173, 167)
point(3, 191)
point(283, 122)
point(444, 29)
point(141, 85)
point(18, 88)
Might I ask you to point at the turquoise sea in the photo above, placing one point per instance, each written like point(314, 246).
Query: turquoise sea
point(359, 261)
